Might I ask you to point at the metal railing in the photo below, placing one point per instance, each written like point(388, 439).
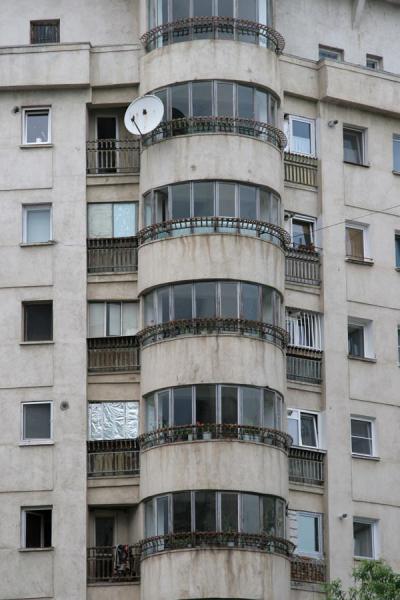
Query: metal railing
point(213, 326)
point(304, 365)
point(113, 564)
point(237, 125)
point(190, 225)
point(214, 431)
point(303, 266)
point(301, 169)
point(304, 328)
point(308, 570)
point(112, 255)
point(109, 458)
point(113, 354)
point(306, 466)
point(216, 539)
point(213, 27)
point(110, 156)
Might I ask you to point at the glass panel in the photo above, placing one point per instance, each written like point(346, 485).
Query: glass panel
point(396, 154)
point(163, 97)
point(397, 244)
point(224, 99)
point(149, 314)
point(269, 515)
point(148, 210)
point(205, 514)
point(181, 512)
point(129, 318)
point(280, 507)
point(96, 319)
point(38, 322)
point(182, 301)
point(302, 233)
point(301, 137)
point(229, 300)
point(150, 414)
point(308, 425)
point(293, 429)
point(355, 242)
point(149, 529)
point(161, 205)
point(267, 305)
point(124, 217)
point(113, 318)
point(183, 406)
point(203, 199)
point(180, 99)
point(353, 146)
point(269, 410)
point(202, 8)
point(361, 440)
point(245, 101)
point(100, 220)
point(163, 409)
point(229, 405)
point(356, 340)
point(251, 521)
point(162, 515)
point(163, 313)
point(226, 197)
point(308, 536)
point(363, 545)
point(251, 407)
point(225, 8)
point(37, 127)
point(180, 200)
point(229, 512)
point(180, 9)
point(248, 202)
point(247, 9)
point(37, 421)
point(38, 225)
point(261, 106)
point(205, 295)
point(202, 98)
point(205, 404)
point(104, 531)
point(250, 302)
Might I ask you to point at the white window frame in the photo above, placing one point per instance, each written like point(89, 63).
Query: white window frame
point(289, 129)
point(311, 321)
point(364, 227)
point(25, 113)
point(374, 531)
point(297, 217)
point(364, 145)
point(24, 510)
point(295, 415)
point(368, 337)
point(319, 517)
point(338, 52)
point(32, 208)
point(36, 441)
point(370, 420)
point(105, 303)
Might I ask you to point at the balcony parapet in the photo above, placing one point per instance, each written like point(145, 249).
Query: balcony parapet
point(213, 27)
point(300, 169)
point(113, 564)
point(110, 354)
point(198, 125)
point(235, 225)
point(110, 157)
point(303, 266)
point(215, 431)
point(112, 255)
point(303, 364)
point(213, 326)
point(110, 458)
point(306, 466)
point(307, 570)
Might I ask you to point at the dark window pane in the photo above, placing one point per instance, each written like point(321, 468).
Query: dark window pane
point(229, 300)
point(251, 407)
point(183, 301)
point(162, 515)
point(225, 8)
point(248, 202)
point(205, 294)
point(301, 137)
point(356, 340)
point(45, 32)
point(38, 528)
point(205, 404)
point(163, 305)
point(38, 322)
point(224, 99)
point(363, 544)
point(37, 421)
point(104, 531)
point(250, 302)
point(251, 521)
point(229, 405)
point(202, 8)
point(226, 198)
point(180, 9)
point(301, 233)
point(163, 97)
point(203, 199)
point(397, 243)
point(269, 515)
point(202, 98)
point(396, 154)
point(181, 512)
point(37, 127)
point(183, 406)
point(308, 430)
point(229, 512)
point(247, 9)
point(163, 409)
point(353, 146)
point(245, 101)
point(205, 511)
point(161, 205)
point(261, 106)
point(180, 101)
point(180, 200)
point(269, 410)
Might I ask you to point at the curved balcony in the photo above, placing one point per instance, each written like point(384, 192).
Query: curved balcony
point(213, 27)
point(202, 125)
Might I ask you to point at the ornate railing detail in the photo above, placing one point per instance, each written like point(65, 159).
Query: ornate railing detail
point(237, 125)
point(189, 225)
point(112, 156)
point(113, 354)
point(115, 255)
point(213, 326)
point(308, 570)
point(193, 28)
point(215, 431)
point(216, 539)
point(304, 365)
point(109, 458)
point(303, 266)
point(113, 564)
point(306, 466)
point(301, 169)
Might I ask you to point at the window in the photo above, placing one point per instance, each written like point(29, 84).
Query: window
point(36, 527)
point(112, 220)
point(301, 135)
point(303, 427)
point(36, 422)
point(360, 338)
point(397, 249)
point(305, 329)
point(36, 223)
point(364, 533)
point(398, 345)
point(374, 62)
point(38, 321)
point(357, 242)
point(306, 533)
point(362, 436)
point(354, 145)
point(112, 319)
point(36, 126)
point(396, 153)
point(113, 420)
point(45, 32)
point(330, 53)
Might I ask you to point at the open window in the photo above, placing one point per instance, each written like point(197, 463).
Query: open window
point(357, 243)
point(354, 145)
point(303, 427)
point(36, 527)
point(300, 133)
point(305, 531)
point(360, 338)
point(365, 538)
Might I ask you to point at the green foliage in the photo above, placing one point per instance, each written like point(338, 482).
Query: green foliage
point(374, 580)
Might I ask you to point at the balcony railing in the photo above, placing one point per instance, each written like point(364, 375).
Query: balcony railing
point(107, 157)
point(306, 466)
point(214, 431)
point(110, 458)
point(195, 125)
point(304, 365)
point(216, 539)
point(213, 326)
point(304, 328)
point(303, 266)
point(301, 169)
point(113, 354)
point(112, 255)
point(113, 564)
point(236, 225)
point(213, 27)
point(308, 570)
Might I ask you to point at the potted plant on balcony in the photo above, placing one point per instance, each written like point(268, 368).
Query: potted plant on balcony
point(205, 429)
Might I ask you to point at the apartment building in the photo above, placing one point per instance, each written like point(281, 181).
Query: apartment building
point(200, 327)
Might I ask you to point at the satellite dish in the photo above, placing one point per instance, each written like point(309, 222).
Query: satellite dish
point(144, 114)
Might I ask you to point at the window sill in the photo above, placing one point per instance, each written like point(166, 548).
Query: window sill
point(33, 244)
point(50, 549)
point(367, 262)
point(362, 558)
point(366, 457)
point(36, 443)
point(364, 165)
point(44, 145)
point(38, 343)
point(361, 358)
